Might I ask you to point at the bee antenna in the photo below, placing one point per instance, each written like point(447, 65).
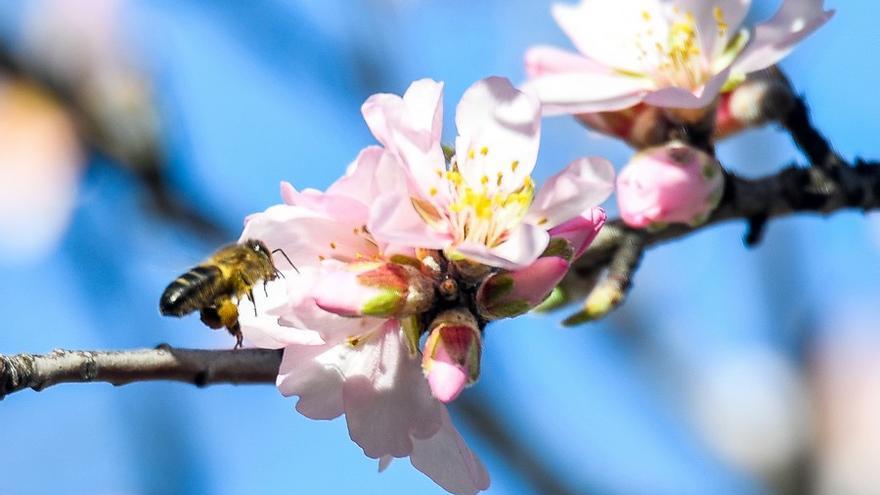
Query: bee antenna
point(279, 250)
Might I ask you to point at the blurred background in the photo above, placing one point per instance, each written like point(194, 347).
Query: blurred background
point(135, 136)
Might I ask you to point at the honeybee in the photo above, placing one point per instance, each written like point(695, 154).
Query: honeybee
point(215, 286)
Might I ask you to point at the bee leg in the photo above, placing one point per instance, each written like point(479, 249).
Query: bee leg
point(235, 331)
point(265, 290)
point(228, 312)
point(210, 317)
point(251, 297)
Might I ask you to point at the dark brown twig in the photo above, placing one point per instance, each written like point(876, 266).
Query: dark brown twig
point(794, 189)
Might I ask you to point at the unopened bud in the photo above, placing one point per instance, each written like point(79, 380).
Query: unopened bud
point(602, 300)
point(675, 183)
point(381, 289)
point(508, 294)
point(569, 240)
point(451, 359)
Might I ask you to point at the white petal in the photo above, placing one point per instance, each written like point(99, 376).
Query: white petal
point(732, 13)
point(523, 246)
point(583, 184)
point(447, 460)
point(387, 400)
point(587, 92)
point(617, 34)
point(777, 37)
point(497, 126)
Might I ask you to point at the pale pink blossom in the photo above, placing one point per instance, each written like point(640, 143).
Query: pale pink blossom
point(363, 367)
point(666, 53)
point(482, 205)
point(675, 183)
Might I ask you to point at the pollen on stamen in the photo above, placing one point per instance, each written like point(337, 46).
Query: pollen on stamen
point(484, 180)
point(514, 165)
point(332, 245)
point(471, 154)
point(646, 15)
point(484, 151)
point(433, 191)
point(719, 21)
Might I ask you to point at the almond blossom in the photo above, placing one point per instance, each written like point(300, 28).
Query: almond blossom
point(407, 245)
point(482, 204)
point(362, 367)
point(675, 183)
point(665, 53)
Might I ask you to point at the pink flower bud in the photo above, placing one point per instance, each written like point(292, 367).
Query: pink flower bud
point(508, 294)
point(381, 289)
point(576, 234)
point(451, 358)
point(674, 183)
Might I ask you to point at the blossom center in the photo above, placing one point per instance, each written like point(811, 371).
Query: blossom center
point(677, 59)
point(484, 206)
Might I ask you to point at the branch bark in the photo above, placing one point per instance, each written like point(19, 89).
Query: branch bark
point(792, 190)
point(198, 367)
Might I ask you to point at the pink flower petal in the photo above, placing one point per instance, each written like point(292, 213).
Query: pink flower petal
point(606, 31)
point(394, 220)
point(777, 37)
point(580, 231)
point(583, 184)
point(264, 329)
point(387, 400)
point(446, 379)
point(384, 462)
point(307, 236)
point(732, 13)
point(587, 91)
point(522, 247)
point(545, 60)
point(446, 459)
point(674, 97)
point(373, 173)
point(497, 126)
point(308, 372)
point(410, 127)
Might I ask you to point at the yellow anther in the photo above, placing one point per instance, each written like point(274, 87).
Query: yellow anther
point(500, 178)
point(646, 15)
point(719, 20)
point(433, 191)
point(484, 151)
point(471, 154)
point(514, 165)
point(484, 180)
point(332, 245)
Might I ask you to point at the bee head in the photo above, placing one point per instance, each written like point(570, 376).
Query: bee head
point(258, 247)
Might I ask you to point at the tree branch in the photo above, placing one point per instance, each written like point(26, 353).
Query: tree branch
point(198, 367)
point(792, 190)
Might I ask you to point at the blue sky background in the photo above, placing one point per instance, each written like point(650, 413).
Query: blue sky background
point(252, 93)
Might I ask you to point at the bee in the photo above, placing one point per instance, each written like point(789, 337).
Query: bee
point(215, 286)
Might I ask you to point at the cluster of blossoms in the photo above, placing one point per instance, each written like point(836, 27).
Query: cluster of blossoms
point(410, 243)
point(645, 67)
point(405, 260)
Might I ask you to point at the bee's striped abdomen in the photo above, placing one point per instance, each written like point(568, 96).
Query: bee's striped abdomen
point(191, 291)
